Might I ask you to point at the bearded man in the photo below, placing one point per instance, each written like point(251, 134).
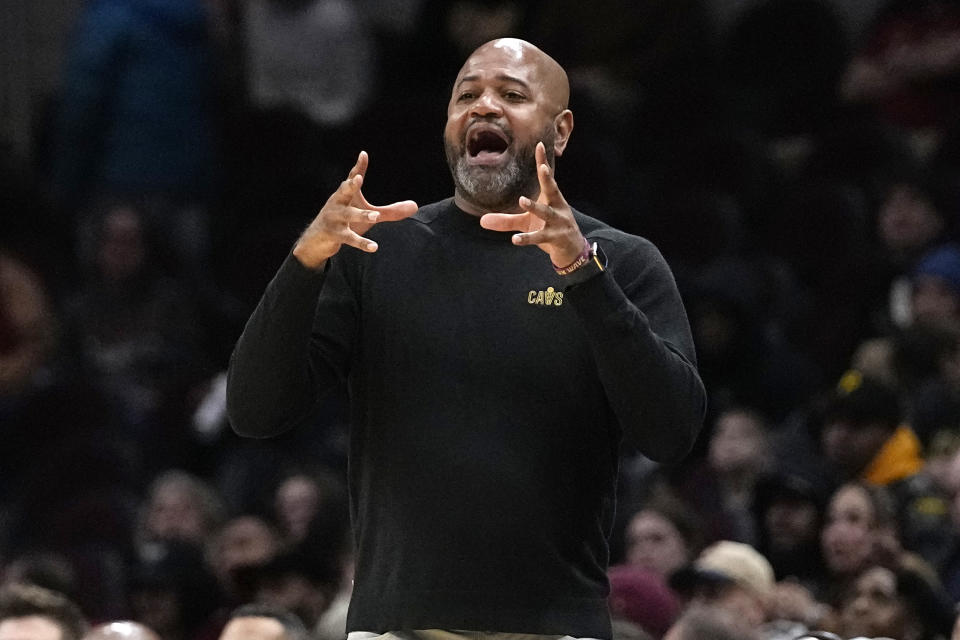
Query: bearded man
point(498, 346)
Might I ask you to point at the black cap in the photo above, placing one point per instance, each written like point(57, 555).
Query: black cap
point(860, 401)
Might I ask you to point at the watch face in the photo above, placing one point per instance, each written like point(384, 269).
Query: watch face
point(599, 256)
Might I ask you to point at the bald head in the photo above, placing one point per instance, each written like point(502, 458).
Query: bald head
point(121, 631)
point(545, 71)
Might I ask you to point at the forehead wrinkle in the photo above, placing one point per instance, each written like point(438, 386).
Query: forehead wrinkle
point(502, 77)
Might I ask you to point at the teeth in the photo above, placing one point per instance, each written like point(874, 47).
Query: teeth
point(486, 139)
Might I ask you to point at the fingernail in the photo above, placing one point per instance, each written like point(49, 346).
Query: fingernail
point(517, 239)
point(524, 201)
point(372, 216)
point(371, 246)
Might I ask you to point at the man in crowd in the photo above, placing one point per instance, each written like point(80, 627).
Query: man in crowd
point(28, 611)
point(261, 622)
point(121, 630)
point(498, 346)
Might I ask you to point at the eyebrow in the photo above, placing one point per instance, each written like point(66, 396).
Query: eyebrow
point(502, 77)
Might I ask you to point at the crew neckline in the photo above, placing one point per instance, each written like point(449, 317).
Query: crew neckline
point(448, 215)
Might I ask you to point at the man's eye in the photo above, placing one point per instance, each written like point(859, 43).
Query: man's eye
point(466, 95)
point(515, 96)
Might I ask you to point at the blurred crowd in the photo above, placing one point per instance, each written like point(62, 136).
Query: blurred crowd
point(796, 161)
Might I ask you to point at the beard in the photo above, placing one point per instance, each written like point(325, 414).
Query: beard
point(498, 188)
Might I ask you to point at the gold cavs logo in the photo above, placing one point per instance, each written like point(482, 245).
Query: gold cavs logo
point(548, 298)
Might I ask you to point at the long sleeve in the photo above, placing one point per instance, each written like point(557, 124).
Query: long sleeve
point(640, 335)
point(281, 367)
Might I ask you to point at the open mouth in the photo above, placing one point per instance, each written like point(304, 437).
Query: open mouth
point(486, 144)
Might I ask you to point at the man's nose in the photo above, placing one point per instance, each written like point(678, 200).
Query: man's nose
point(487, 104)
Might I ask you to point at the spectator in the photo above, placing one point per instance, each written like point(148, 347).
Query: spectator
point(180, 507)
point(722, 490)
point(300, 497)
point(28, 611)
point(244, 543)
point(860, 529)
point(912, 218)
point(898, 603)
point(936, 287)
point(788, 514)
point(121, 630)
point(925, 365)
point(730, 576)
point(663, 536)
point(950, 568)
point(709, 623)
point(44, 569)
point(642, 597)
point(257, 622)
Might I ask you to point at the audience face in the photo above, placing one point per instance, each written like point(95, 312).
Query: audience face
point(297, 501)
point(246, 541)
point(790, 523)
point(30, 628)
point(254, 628)
point(934, 302)
point(907, 221)
point(851, 447)
point(175, 513)
point(653, 542)
point(738, 443)
point(874, 608)
point(848, 537)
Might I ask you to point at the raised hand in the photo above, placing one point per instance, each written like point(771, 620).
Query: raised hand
point(344, 218)
point(547, 223)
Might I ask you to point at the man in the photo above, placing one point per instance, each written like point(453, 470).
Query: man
point(708, 623)
point(489, 389)
point(28, 612)
point(256, 622)
point(121, 630)
point(731, 576)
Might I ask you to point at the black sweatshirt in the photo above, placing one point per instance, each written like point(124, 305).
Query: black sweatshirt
point(487, 408)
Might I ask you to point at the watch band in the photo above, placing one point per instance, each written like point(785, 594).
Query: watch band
point(595, 264)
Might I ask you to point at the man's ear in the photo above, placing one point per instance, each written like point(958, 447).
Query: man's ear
point(563, 127)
